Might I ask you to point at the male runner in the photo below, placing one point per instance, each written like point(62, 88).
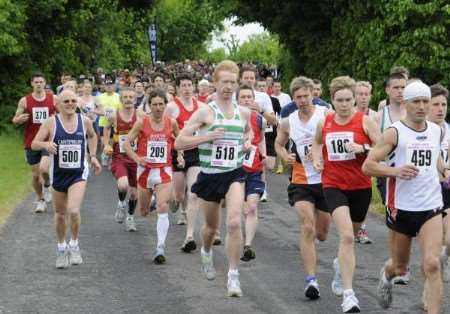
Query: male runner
point(122, 167)
point(223, 129)
point(64, 137)
point(414, 198)
point(33, 110)
point(305, 190)
point(154, 133)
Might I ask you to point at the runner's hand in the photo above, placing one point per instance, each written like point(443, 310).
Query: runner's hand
point(291, 159)
point(145, 211)
point(23, 118)
point(96, 165)
point(318, 165)
point(407, 172)
point(247, 145)
point(141, 161)
point(354, 148)
point(51, 148)
point(180, 161)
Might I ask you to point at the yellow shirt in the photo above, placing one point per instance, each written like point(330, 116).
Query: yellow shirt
point(109, 102)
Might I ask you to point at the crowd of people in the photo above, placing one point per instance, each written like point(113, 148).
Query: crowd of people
point(192, 137)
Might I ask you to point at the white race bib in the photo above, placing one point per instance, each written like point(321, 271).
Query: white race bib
point(157, 152)
point(444, 152)
point(304, 148)
point(269, 128)
point(69, 156)
point(225, 153)
point(336, 146)
point(420, 154)
point(122, 139)
point(249, 156)
point(40, 114)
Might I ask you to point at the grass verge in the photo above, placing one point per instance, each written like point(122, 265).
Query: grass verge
point(376, 206)
point(15, 174)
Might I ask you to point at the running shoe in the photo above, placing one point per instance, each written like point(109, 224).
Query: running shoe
point(402, 279)
point(384, 290)
point(40, 207)
point(120, 212)
point(182, 218)
point(336, 284)
point(264, 197)
point(159, 256)
point(280, 169)
point(350, 304)
point(62, 259)
point(445, 267)
point(312, 289)
point(75, 255)
point(217, 240)
point(47, 195)
point(362, 236)
point(188, 245)
point(208, 266)
point(233, 285)
point(130, 224)
point(248, 254)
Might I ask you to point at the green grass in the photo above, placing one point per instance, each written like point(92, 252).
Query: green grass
point(376, 206)
point(15, 174)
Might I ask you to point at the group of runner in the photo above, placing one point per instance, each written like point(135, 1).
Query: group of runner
point(192, 155)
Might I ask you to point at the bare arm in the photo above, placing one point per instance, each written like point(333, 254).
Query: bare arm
point(110, 122)
point(316, 149)
point(281, 141)
point(132, 136)
point(40, 141)
point(270, 117)
point(262, 143)
point(172, 110)
point(92, 144)
point(20, 117)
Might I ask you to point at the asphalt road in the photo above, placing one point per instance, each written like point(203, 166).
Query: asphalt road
point(118, 275)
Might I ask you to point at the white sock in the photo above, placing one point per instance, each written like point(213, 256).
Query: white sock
point(73, 243)
point(233, 272)
point(162, 227)
point(62, 246)
point(204, 252)
point(348, 292)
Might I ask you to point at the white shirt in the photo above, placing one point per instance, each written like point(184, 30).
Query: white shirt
point(283, 98)
point(263, 101)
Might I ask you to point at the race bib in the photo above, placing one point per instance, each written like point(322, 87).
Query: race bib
point(225, 153)
point(157, 152)
point(303, 149)
point(40, 114)
point(336, 146)
point(249, 156)
point(420, 154)
point(444, 152)
point(269, 128)
point(122, 139)
point(69, 156)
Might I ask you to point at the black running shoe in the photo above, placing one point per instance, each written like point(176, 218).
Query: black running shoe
point(188, 246)
point(248, 255)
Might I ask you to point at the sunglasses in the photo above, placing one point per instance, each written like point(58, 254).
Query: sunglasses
point(66, 101)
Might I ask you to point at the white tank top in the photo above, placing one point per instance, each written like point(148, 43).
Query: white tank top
point(445, 143)
point(386, 120)
point(302, 134)
point(422, 150)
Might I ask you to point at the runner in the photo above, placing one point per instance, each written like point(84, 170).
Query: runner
point(305, 190)
point(185, 174)
point(394, 71)
point(346, 136)
point(414, 193)
point(253, 166)
point(436, 114)
point(33, 110)
point(203, 91)
point(90, 106)
point(154, 133)
point(64, 137)
point(222, 126)
point(122, 167)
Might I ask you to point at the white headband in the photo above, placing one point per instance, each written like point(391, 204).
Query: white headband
point(416, 89)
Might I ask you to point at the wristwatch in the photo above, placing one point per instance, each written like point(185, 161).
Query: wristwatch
point(366, 148)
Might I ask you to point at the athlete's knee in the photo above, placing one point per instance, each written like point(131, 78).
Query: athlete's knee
point(252, 209)
point(431, 264)
point(210, 231)
point(74, 215)
point(308, 228)
point(234, 224)
point(347, 238)
point(162, 207)
point(60, 217)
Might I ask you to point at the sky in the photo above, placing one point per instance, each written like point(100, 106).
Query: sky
point(242, 32)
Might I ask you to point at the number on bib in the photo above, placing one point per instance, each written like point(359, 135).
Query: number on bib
point(420, 155)
point(157, 152)
point(444, 152)
point(225, 153)
point(304, 149)
point(69, 156)
point(336, 146)
point(122, 138)
point(40, 114)
point(249, 156)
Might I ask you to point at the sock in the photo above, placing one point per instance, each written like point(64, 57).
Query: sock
point(131, 206)
point(73, 243)
point(204, 252)
point(62, 246)
point(122, 195)
point(233, 272)
point(348, 292)
point(310, 278)
point(162, 227)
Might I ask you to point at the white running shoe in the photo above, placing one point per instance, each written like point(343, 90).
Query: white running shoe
point(75, 255)
point(350, 304)
point(40, 207)
point(62, 259)
point(120, 212)
point(402, 279)
point(47, 194)
point(336, 284)
point(208, 266)
point(264, 197)
point(130, 225)
point(384, 290)
point(233, 285)
point(182, 218)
